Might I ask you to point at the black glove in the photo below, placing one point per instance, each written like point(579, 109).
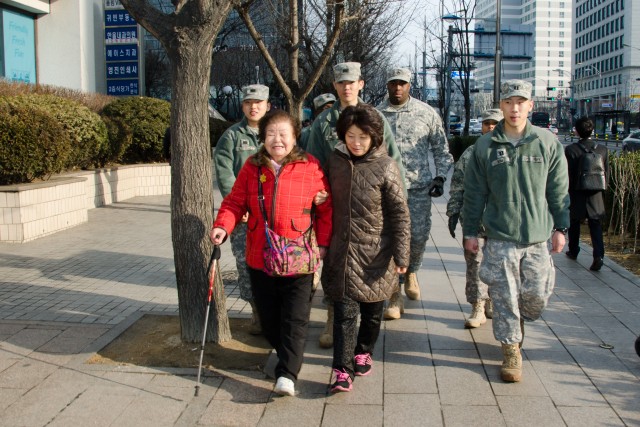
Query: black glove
point(453, 222)
point(436, 188)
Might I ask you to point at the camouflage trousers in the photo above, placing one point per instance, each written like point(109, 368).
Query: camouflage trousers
point(238, 248)
point(475, 289)
point(521, 280)
point(419, 203)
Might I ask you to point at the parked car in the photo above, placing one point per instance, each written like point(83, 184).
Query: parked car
point(475, 129)
point(455, 129)
point(632, 142)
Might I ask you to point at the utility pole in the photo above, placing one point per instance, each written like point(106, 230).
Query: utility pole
point(498, 59)
point(447, 76)
point(424, 64)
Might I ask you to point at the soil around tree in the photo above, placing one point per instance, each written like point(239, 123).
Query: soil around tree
point(154, 341)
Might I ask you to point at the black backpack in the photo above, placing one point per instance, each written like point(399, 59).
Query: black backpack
point(591, 170)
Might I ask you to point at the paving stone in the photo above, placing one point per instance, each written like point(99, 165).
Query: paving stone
point(293, 411)
point(336, 413)
point(529, 411)
point(412, 410)
point(586, 416)
point(149, 409)
point(232, 413)
point(245, 389)
point(461, 378)
point(472, 415)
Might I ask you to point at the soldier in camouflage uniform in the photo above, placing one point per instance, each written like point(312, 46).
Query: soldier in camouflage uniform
point(476, 290)
point(516, 184)
point(234, 147)
point(323, 138)
point(417, 129)
point(320, 103)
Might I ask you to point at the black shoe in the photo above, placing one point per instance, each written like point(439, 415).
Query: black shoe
point(597, 264)
point(571, 255)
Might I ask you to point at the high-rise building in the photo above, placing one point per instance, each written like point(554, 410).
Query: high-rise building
point(552, 36)
point(606, 55)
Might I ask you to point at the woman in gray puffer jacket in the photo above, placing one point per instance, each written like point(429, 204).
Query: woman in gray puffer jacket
point(370, 240)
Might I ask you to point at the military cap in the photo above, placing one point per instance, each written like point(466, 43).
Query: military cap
point(401, 74)
point(515, 88)
point(323, 99)
point(494, 114)
point(257, 92)
point(347, 71)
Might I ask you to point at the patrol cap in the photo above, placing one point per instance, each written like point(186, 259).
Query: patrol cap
point(492, 114)
point(401, 74)
point(515, 88)
point(347, 71)
point(257, 92)
point(323, 99)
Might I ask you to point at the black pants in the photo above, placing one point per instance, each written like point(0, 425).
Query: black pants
point(346, 344)
point(283, 305)
point(595, 229)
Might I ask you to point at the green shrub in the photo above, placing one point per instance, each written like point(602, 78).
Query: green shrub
point(33, 144)
point(147, 118)
point(86, 129)
point(119, 140)
point(458, 144)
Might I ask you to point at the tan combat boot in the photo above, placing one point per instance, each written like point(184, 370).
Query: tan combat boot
point(488, 308)
point(396, 306)
point(477, 317)
point(511, 370)
point(411, 286)
point(326, 337)
point(254, 328)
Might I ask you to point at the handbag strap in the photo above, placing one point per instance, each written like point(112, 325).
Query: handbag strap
point(264, 210)
point(261, 197)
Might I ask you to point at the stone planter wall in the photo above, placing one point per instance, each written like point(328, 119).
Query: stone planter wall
point(30, 211)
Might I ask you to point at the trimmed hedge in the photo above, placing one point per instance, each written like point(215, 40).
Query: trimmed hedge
point(147, 118)
point(87, 131)
point(33, 144)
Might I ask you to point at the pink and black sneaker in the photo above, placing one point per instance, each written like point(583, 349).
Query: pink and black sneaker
point(343, 381)
point(364, 364)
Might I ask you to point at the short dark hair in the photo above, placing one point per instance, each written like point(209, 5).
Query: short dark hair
point(274, 116)
point(584, 127)
point(366, 118)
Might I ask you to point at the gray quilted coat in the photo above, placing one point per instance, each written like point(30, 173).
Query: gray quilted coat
point(371, 226)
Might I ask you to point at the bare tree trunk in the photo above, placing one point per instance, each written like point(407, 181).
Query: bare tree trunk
point(187, 35)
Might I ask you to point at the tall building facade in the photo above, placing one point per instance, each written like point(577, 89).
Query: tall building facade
point(606, 55)
point(552, 37)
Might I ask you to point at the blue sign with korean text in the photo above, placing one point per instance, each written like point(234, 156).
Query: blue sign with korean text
point(19, 47)
point(121, 35)
point(118, 70)
point(122, 52)
point(115, 18)
point(123, 87)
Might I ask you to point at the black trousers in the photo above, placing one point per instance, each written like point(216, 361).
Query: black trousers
point(283, 305)
point(349, 341)
point(595, 229)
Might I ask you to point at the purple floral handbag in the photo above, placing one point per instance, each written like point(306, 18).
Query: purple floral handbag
point(284, 257)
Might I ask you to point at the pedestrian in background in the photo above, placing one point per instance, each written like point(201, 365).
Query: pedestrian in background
point(235, 146)
point(417, 129)
point(516, 185)
point(283, 303)
point(320, 103)
point(586, 203)
point(370, 243)
point(476, 291)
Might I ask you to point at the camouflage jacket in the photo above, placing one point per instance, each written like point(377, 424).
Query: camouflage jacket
point(417, 129)
point(323, 138)
point(234, 147)
point(456, 189)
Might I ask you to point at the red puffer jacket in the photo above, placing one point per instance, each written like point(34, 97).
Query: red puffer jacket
point(296, 184)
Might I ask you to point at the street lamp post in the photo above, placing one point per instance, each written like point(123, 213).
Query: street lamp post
point(447, 93)
point(571, 94)
point(498, 59)
point(597, 72)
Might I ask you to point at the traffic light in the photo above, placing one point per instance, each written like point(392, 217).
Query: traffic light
point(568, 99)
point(550, 88)
point(587, 100)
point(551, 98)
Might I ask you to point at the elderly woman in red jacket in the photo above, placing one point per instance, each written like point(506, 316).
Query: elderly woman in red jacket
point(290, 179)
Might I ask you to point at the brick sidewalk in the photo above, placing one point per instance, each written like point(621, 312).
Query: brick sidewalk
point(67, 295)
